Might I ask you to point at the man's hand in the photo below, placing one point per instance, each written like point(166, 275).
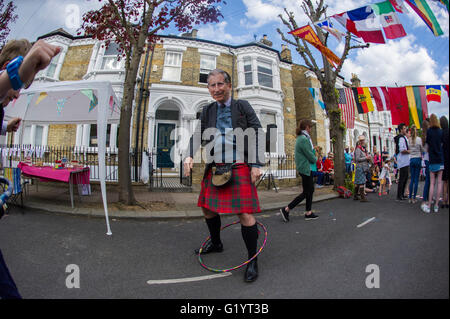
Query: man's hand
point(187, 166)
point(13, 124)
point(39, 57)
point(256, 174)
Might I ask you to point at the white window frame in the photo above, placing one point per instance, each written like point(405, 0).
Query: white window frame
point(83, 136)
point(206, 70)
point(248, 59)
point(168, 64)
point(267, 63)
point(111, 57)
point(29, 135)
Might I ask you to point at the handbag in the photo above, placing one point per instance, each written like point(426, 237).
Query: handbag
point(222, 174)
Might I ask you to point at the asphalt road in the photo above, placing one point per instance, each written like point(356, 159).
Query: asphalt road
point(323, 258)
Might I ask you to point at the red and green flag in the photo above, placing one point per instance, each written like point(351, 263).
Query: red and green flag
point(390, 22)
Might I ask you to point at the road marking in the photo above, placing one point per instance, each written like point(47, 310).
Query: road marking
point(366, 222)
point(180, 280)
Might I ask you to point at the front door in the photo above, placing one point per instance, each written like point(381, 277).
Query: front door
point(164, 145)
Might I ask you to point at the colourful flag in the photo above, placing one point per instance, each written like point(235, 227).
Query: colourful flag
point(422, 8)
point(327, 25)
point(413, 113)
point(446, 88)
point(307, 33)
point(399, 6)
point(381, 97)
point(423, 99)
point(362, 23)
point(433, 93)
point(399, 105)
point(316, 96)
point(363, 100)
point(390, 22)
point(347, 106)
point(419, 102)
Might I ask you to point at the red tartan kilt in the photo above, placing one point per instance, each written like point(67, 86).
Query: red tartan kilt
point(237, 197)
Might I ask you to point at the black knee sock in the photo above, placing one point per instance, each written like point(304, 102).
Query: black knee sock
point(250, 236)
point(214, 229)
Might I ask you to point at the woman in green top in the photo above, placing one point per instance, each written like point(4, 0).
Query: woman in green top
point(305, 161)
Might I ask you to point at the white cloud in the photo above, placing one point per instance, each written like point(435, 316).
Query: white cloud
point(439, 11)
point(400, 62)
point(214, 31)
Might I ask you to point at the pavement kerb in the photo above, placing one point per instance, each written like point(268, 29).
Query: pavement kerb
point(153, 215)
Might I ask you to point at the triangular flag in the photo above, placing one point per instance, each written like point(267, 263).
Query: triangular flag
point(88, 93)
point(93, 103)
point(60, 105)
point(316, 97)
point(42, 96)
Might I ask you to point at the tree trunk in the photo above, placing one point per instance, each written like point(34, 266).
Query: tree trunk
point(336, 134)
point(126, 194)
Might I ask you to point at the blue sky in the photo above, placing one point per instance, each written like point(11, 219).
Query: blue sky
point(419, 58)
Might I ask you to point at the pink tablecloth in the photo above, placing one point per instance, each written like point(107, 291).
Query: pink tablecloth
point(52, 174)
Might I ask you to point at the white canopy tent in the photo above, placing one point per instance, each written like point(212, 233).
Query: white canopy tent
point(71, 102)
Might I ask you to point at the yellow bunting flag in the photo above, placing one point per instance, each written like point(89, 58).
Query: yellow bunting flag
point(42, 96)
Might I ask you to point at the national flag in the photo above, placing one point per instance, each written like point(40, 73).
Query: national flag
point(390, 22)
point(420, 99)
point(362, 23)
point(363, 100)
point(413, 112)
point(423, 99)
point(446, 88)
point(422, 8)
point(399, 6)
point(433, 93)
point(381, 97)
point(327, 25)
point(347, 106)
point(399, 105)
point(307, 33)
point(316, 96)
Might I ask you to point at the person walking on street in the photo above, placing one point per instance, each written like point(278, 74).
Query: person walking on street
point(362, 160)
point(402, 151)
point(435, 143)
point(415, 163)
point(304, 160)
point(445, 148)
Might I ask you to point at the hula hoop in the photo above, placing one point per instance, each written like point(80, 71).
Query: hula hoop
point(237, 267)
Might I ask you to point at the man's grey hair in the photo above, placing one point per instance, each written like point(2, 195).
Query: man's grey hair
point(225, 74)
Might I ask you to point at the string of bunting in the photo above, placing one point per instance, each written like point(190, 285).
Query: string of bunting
point(363, 23)
point(407, 104)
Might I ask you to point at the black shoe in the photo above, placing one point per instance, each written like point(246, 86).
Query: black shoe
point(210, 248)
point(251, 273)
point(311, 216)
point(285, 215)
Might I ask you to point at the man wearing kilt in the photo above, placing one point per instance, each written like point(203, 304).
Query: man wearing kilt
point(239, 195)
